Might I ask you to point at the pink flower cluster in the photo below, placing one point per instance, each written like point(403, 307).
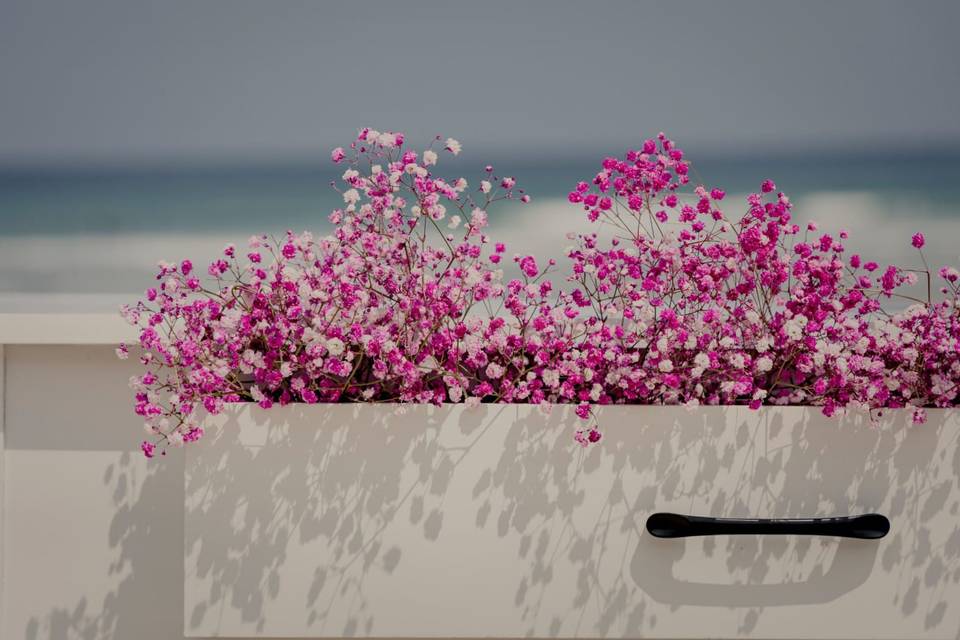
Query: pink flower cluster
point(407, 302)
point(689, 306)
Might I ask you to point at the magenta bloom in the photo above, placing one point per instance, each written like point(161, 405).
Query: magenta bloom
point(407, 300)
point(528, 265)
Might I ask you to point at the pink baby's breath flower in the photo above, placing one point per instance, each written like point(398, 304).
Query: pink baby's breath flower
point(337, 155)
point(918, 240)
point(582, 438)
point(528, 264)
point(680, 306)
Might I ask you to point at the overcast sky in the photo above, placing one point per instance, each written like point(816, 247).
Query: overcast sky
point(122, 80)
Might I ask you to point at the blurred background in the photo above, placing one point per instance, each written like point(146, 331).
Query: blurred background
point(132, 132)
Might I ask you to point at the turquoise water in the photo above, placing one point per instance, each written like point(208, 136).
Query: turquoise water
point(96, 234)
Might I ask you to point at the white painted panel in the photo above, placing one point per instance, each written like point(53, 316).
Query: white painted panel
point(350, 520)
point(3, 482)
point(93, 539)
point(65, 328)
point(508, 538)
point(92, 533)
point(70, 397)
point(93, 542)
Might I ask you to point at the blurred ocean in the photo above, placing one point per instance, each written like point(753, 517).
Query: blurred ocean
point(88, 239)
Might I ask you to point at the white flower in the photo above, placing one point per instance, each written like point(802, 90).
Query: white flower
point(764, 364)
point(595, 392)
point(453, 146)
point(250, 360)
point(551, 377)
point(351, 196)
point(478, 218)
point(485, 186)
point(494, 370)
point(454, 222)
point(429, 157)
point(794, 327)
point(311, 337)
point(335, 346)
point(665, 366)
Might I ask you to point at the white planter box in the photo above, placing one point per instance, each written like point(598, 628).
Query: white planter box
point(351, 520)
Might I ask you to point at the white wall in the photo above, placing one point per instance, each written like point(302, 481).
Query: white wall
point(329, 521)
point(93, 534)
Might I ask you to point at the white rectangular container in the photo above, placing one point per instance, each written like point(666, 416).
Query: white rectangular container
point(366, 520)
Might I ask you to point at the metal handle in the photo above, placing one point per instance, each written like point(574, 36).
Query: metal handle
point(870, 526)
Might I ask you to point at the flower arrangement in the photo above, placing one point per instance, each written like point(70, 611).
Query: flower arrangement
point(407, 301)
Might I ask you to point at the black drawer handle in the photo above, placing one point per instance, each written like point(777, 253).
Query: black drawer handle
point(870, 526)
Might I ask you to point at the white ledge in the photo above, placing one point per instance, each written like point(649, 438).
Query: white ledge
point(65, 328)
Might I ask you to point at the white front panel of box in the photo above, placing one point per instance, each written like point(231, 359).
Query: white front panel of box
point(352, 520)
